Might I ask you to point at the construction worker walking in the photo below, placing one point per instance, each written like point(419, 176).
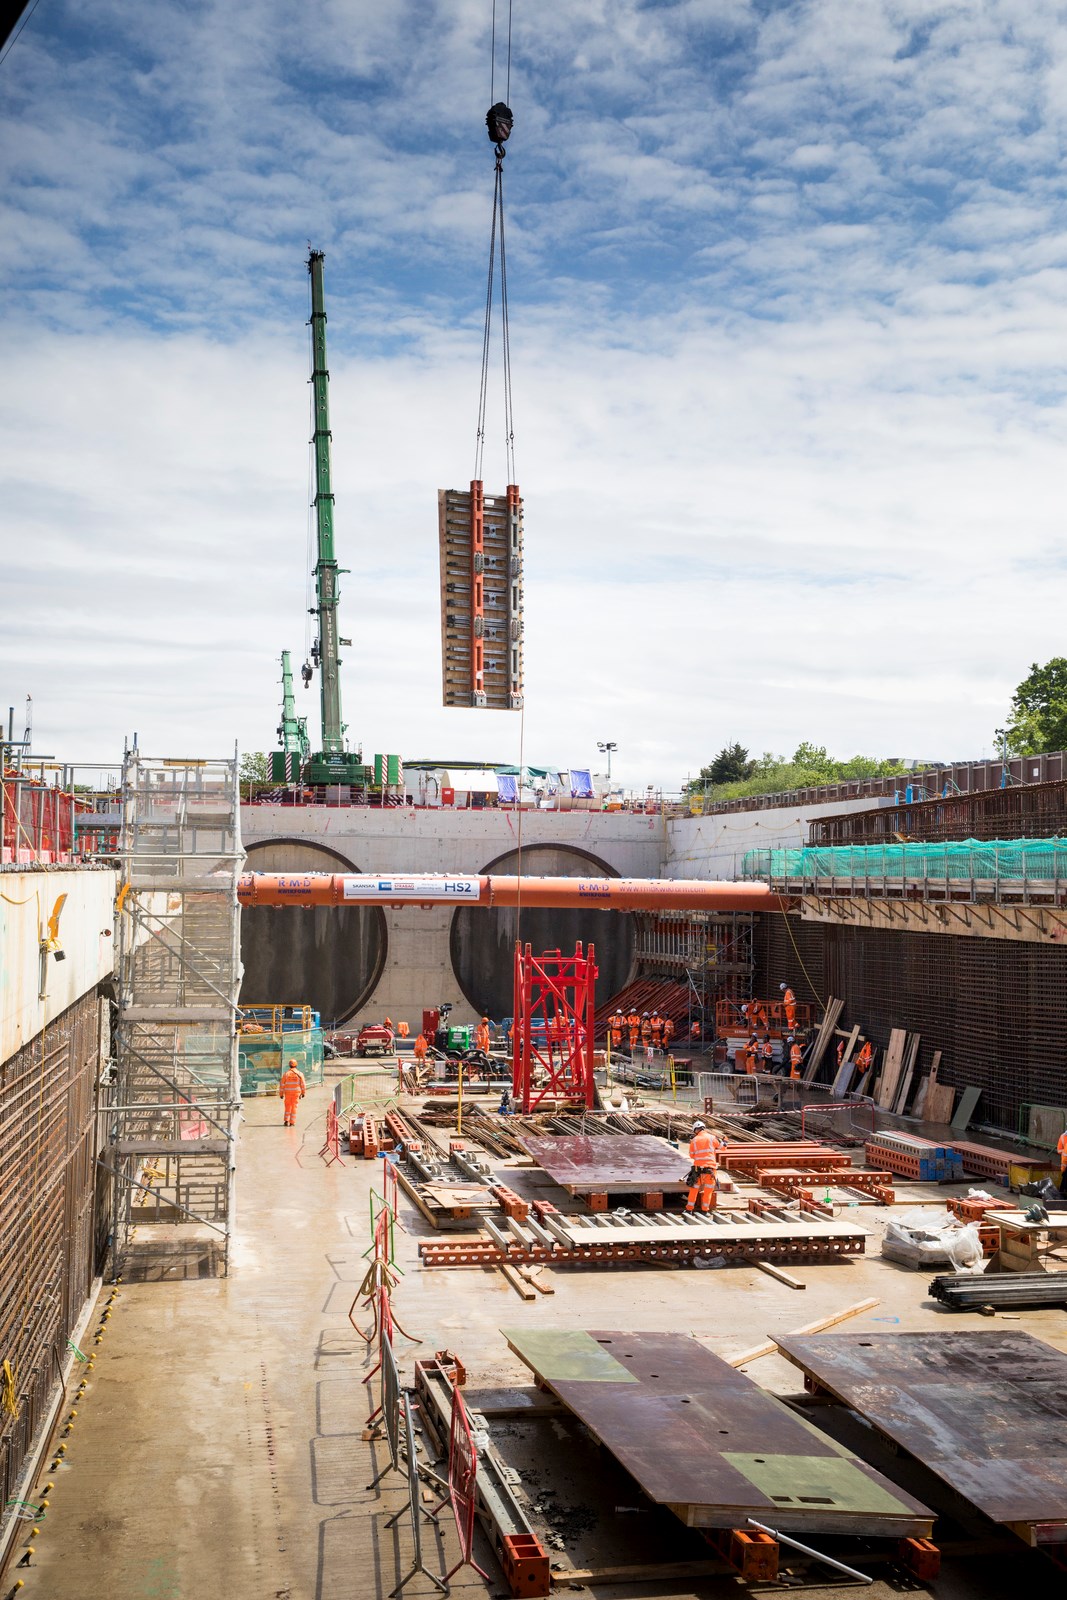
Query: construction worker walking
point(481, 1036)
point(704, 1150)
point(292, 1087)
point(796, 1056)
point(789, 1001)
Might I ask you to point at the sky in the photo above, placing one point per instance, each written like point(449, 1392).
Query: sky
point(788, 294)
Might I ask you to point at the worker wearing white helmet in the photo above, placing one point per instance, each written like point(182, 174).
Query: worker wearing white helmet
point(789, 1001)
point(704, 1150)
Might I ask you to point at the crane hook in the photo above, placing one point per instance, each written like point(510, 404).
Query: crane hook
point(499, 121)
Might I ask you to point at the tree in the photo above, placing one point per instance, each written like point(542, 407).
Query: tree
point(254, 767)
point(731, 765)
point(1039, 710)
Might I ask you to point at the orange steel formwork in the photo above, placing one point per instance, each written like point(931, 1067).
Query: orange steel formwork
point(427, 889)
point(481, 597)
point(552, 1039)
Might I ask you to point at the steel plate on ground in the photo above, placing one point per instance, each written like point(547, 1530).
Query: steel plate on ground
point(588, 1163)
point(699, 1436)
point(986, 1412)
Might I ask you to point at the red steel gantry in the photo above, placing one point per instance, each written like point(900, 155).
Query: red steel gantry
point(552, 1037)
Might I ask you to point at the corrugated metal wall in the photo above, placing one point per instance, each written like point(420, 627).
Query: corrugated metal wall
point(47, 1182)
point(996, 1009)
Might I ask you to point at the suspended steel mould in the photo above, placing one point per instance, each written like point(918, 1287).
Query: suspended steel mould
point(481, 597)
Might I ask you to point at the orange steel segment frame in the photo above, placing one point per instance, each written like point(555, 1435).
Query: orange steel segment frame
point(428, 889)
point(552, 1039)
point(477, 592)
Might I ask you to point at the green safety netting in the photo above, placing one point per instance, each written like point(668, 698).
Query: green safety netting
point(263, 1057)
point(1015, 859)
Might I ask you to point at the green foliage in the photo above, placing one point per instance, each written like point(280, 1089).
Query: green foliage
point(809, 766)
point(253, 768)
point(731, 765)
point(1039, 710)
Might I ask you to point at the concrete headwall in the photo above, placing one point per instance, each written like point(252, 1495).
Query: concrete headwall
point(713, 847)
point(418, 968)
point(84, 928)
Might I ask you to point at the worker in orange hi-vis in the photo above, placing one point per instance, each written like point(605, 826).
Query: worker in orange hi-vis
point(481, 1036)
point(752, 1054)
point(766, 1055)
point(704, 1150)
point(633, 1028)
point(789, 1001)
point(864, 1057)
point(403, 1030)
point(421, 1047)
point(656, 1024)
point(668, 1032)
point(646, 1029)
point(616, 1023)
point(757, 1015)
point(796, 1056)
point(1061, 1149)
point(292, 1088)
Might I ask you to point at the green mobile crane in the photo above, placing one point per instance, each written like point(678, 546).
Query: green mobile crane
point(333, 763)
point(288, 763)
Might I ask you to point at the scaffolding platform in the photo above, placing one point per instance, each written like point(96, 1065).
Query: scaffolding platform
point(170, 1136)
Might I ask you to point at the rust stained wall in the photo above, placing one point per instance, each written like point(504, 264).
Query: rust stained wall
point(47, 1249)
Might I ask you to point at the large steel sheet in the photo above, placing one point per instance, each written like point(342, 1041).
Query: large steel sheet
point(588, 1163)
point(987, 1412)
point(699, 1436)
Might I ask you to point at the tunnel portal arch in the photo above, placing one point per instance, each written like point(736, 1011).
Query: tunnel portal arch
point(482, 942)
point(328, 957)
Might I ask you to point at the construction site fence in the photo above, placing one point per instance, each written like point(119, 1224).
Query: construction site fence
point(747, 1091)
point(1009, 860)
point(368, 1090)
point(263, 1057)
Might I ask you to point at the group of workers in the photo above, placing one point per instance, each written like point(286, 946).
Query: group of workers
point(757, 1053)
point(648, 1028)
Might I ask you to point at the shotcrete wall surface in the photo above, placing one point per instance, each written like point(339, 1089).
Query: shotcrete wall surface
point(328, 957)
point(483, 942)
point(417, 968)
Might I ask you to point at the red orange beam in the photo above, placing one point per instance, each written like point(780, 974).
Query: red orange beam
point(483, 889)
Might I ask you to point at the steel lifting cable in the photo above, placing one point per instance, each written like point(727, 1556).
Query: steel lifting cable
point(499, 124)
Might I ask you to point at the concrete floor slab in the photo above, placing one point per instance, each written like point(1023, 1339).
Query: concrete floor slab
point(219, 1449)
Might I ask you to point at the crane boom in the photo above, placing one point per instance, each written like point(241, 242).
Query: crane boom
point(326, 569)
point(292, 730)
point(332, 763)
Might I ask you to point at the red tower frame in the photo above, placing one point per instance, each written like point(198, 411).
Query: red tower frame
point(552, 1041)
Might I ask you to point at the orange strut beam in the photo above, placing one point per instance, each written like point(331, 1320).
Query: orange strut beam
point(428, 889)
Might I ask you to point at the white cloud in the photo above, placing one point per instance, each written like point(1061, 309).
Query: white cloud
point(787, 329)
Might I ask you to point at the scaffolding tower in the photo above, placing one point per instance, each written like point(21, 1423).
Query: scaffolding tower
point(171, 1133)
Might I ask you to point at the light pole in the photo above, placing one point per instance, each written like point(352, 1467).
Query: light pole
point(606, 747)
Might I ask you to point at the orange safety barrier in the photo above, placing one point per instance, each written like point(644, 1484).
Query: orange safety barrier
point(332, 1147)
point(462, 1485)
